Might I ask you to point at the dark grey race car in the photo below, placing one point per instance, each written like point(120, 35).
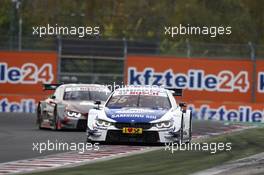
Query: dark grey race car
point(69, 106)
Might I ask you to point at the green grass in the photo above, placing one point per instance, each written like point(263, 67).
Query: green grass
point(163, 162)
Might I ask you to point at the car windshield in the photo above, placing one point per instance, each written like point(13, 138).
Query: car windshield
point(86, 95)
point(99, 96)
point(142, 101)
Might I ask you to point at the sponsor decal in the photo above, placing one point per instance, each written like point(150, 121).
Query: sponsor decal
point(28, 73)
point(68, 89)
point(218, 80)
point(147, 116)
point(22, 75)
point(132, 130)
point(128, 116)
point(24, 105)
point(147, 90)
point(102, 89)
point(145, 93)
point(194, 79)
point(261, 82)
point(238, 113)
point(136, 111)
point(259, 96)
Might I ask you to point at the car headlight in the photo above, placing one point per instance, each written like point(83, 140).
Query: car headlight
point(103, 123)
point(164, 124)
point(73, 114)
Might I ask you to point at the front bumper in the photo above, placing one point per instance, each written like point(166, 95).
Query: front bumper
point(113, 134)
point(73, 123)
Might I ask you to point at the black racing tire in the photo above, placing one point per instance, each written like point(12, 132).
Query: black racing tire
point(39, 117)
point(190, 128)
point(88, 140)
point(55, 119)
point(181, 131)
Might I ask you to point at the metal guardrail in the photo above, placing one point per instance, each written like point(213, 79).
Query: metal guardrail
point(102, 60)
point(106, 47)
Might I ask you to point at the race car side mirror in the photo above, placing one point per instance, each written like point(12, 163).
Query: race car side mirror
point(97, 103)
point(182, 104)
point(53, 97)
point(175, 92)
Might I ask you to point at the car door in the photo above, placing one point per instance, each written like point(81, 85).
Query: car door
point(52, 102)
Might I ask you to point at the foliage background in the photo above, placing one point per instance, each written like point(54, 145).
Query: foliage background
point(140, 19)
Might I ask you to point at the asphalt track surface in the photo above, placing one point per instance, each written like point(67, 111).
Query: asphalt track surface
point(18, 132)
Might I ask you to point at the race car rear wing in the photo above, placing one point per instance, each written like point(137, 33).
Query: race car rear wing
point(50, 86)
point(176, 92)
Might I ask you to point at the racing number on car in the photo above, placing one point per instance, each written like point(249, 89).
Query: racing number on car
point(118, 100)
point(132, 130)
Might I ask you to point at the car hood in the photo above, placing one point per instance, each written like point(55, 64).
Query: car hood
point(79, 106)
point(137, 115)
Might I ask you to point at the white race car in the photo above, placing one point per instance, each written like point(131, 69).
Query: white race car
point(140, 114)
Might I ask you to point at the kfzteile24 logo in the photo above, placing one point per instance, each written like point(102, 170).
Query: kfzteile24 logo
point(28, 73)
point(194, 79)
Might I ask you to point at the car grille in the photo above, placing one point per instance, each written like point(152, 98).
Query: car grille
point(134, 125)
point(145, 137)
point(82, 124)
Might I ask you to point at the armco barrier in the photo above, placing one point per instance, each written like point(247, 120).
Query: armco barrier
point(21, 77)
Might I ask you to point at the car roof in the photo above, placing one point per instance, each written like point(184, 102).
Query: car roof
point(84, 85)
point(142, 88)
